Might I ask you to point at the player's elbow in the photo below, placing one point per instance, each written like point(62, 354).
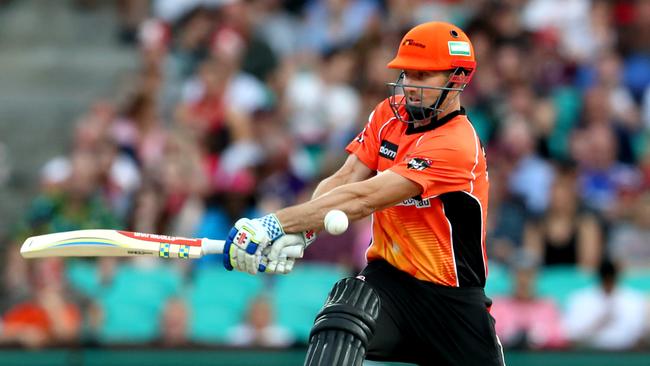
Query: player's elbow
point(363, 204)
point(364, 208)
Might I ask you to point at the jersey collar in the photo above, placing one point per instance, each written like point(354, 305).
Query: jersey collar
point(410, 129)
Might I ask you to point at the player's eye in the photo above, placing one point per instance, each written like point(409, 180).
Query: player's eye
point(415, 75)
point(412, 75)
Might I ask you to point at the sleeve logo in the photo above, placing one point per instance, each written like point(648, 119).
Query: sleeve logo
point(361, 134)
point(419, 164)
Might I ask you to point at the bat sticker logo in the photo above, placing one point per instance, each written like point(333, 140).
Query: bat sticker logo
point(164, 250)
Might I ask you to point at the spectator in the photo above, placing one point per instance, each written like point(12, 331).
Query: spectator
point(525, 321)
point(531, 176)
point(324, 107)
point(241, 17)
point(582, 25)
point(622, 106)
point(629, 243)
point(259, 329)
point(607, 317)
point(48, 317)
point(76, 206)
point(138, 131)
point(278, 27)
point(566, 234)
point(602, 179)
point(645, 113)
point(334, 23)
point(174, 324)
point(507, 219)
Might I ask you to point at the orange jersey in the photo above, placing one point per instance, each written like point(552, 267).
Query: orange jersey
point(438, 236)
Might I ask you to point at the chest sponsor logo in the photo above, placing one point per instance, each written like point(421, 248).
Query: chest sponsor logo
point(388, 150)
point(416, 202)
point(419, 163)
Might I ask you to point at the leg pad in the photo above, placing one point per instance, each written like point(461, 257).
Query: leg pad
point(344, 326)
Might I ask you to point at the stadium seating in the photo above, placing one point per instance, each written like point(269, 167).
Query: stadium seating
point(559, 282)
point(132, 304)
point(83, 277)
point(218, 302)
point(637, 279)
point(499, 282)
point(298, 297)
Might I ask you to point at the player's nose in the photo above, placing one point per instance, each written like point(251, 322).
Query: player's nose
point(412, 93)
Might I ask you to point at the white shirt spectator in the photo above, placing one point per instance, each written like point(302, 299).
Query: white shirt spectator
point(319, 109)
point(573, 20)
point(608, 322)
point(630, 244)
point(243, 93)
point(271, 336)
point(532, 179)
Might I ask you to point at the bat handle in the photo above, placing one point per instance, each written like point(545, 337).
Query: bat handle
point(209, 246)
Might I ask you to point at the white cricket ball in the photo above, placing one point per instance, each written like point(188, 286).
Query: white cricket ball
point(336, 222)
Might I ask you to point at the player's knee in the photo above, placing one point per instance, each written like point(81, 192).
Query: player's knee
point(352, 307)
point(345, 325)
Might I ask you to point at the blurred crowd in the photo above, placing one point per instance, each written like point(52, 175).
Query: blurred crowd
point(240, 107)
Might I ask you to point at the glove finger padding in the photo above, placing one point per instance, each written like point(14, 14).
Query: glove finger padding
point(298, 242)
point(282, 265)
point(288, 266)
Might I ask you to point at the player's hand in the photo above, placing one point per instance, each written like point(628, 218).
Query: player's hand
point(274, 259)
point(247, 239)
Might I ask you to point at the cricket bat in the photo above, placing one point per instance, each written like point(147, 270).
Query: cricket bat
point(116, 243)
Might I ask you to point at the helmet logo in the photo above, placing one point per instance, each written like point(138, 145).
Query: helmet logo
point(410, 42)
point(459, 48)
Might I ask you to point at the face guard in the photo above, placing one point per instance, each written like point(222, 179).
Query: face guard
point(418, 112)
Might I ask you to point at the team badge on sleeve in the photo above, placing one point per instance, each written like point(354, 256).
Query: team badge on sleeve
point(419, 163)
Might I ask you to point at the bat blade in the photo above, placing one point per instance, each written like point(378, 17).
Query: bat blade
point(116, 243)
point(109, 243)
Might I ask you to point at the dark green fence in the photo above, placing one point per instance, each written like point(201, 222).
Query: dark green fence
point(151, 357)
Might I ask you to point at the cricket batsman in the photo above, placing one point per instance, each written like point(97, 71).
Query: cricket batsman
point(419, 169)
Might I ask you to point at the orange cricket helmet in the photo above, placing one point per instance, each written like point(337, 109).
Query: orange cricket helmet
point(432, 46)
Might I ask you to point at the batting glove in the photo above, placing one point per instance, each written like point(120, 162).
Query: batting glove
point(274, 257)
point(246, 240)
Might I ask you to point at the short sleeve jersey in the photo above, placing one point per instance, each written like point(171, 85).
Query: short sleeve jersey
point(438, 236)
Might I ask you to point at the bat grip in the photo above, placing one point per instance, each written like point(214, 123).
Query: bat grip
point(209, 246)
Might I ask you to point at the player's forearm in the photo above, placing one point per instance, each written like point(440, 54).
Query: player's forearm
point(357, 200)
point(327, 185)
point(353, 199)
point(353, 170)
